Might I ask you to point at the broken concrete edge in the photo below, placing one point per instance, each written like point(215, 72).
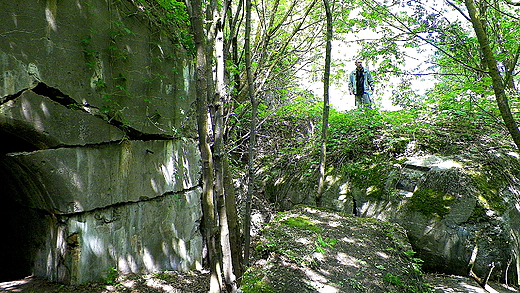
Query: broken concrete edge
point(54, 94)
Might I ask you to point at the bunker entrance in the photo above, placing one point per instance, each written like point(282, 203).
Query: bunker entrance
point(23, 229)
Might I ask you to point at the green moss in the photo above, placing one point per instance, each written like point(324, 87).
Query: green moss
point(371, 175)
point(431, 201)
point(301, 223)
point(488, 185)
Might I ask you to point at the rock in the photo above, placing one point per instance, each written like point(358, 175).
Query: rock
point(451, 206)
point(102, 54)
point(455, 209)
point(159, 234)
point(312, 250)
point(73, 180)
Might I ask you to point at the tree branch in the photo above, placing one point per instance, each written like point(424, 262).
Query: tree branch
point(510, 2)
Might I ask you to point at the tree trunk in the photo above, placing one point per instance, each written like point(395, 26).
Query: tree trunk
point(235, 235)
point(252, 135)
point(510, 71)
point(208, 204)
point(231, 53)
point(326, 106)
point(498, 82)
point(221, 100)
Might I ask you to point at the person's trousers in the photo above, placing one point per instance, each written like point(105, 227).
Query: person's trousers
point(363, 101)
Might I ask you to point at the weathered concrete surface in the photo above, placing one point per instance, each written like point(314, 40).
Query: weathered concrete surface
point(146, 236)
point(99, 165)
point(72, 180)
point(47, 124)
point(101, 53)
point(16, 76)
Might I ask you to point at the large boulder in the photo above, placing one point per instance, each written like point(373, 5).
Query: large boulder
point(458, 213)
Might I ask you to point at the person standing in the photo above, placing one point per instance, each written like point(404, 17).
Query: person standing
point(361, 85)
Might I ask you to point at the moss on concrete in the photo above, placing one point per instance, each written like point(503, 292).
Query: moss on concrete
point(488, 184)
point(431, 202)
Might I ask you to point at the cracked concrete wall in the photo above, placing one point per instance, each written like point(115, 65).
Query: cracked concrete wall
point(99, 161)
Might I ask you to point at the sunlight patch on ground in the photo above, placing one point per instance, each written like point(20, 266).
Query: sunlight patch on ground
point(318, 256)
point(334, 223)
point(469, 288)
point(382, 254)
point(319, 282)
point(348, 240)
point(303, 240)
point(128, 283)
point(159, 284)
point(347, 260)
point(11, 286)
point(448, 164)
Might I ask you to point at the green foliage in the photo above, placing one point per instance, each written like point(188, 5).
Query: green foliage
point(393, 279)
point(431, 201)
point(173, 14)
point(164, 276)
point(253, 282)
point(111, 276)
point(321, 244)
point(353, 133)
point(355, 284)
point(175, 10)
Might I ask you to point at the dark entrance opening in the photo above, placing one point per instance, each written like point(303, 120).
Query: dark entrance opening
point(23, 229)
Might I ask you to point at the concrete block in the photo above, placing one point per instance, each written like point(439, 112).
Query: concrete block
point(47, 124)
point(72, 180)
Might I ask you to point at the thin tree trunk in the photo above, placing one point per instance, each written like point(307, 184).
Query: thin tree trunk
point(231, 53)
point(235, 238)
point(510, 70)
point(252, 135)
point(208, 204)
point(326, 105)
point(498, 82)
point(219, 157)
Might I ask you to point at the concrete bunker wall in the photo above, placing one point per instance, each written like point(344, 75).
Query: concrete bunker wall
point(99, 163)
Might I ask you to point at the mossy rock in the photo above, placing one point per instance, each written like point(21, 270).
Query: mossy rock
point(431, 202)
point(315, 250)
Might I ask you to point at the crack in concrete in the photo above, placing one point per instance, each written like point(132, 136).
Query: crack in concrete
point(176, 194)
point(55, 94)
point(14, 96)
point(63, 99)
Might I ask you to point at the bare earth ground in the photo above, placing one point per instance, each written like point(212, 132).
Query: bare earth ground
point(170, 282)
point(302, 250)
point(199, 283)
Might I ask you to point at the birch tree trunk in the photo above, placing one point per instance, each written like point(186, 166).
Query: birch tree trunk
point(219, 154)
point(208, 203)
point(252, 134)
